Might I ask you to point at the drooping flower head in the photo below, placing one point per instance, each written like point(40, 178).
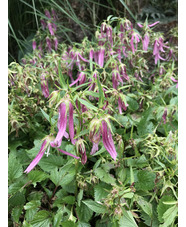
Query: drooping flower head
point(80, 147)
point(44, 86)
point(100, 127)
point(64, 108)
point(45, 146)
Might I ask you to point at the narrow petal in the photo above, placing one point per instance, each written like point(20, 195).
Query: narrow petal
point(37, 158)
point(108, 142)
point(67, 153)
point(71, 124)
point(62, 123)
point(94, 148)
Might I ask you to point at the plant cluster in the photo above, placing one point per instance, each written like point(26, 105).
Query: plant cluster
point(107, 155)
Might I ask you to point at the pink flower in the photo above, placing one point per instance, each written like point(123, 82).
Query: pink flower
point(146, 42)
point(108, 141)
point(158, 46)
point(50, 28)
point(34, 44)
point(43, 23)
point(47, 13)
point(45, 145)
point(164, 115)
point(44, 86)
point(135, 38)
point(55, 43)
point(101, 57)
point(174, 80)
point(150, 25)
point(48, 42)
point(62, 124)
point(38, 157)
point(121, 105)
point(94, 137)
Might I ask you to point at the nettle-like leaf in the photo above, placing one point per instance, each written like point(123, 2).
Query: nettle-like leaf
point(127, 220)
point(15, 169)
point(16, 213)
point(95, 206)
point(101, 191)
point(145, 180)
point(84, 212)
point(42, 218)
point(169, 216)
point(37, 176)
point(104, 176)
point(16, 200)
point(162, 207)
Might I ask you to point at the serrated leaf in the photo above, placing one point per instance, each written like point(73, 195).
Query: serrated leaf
point(169, 216)
point(51, 162)
point(94, 206)
point(80, 197)
point(68, 224)
point(37, 176)
point(145, 206)
point(15, 187)
point(69, 199)
point(83, 224)
point(84, 213)
point(127, 220)
point(15, 169)
point(104, 176)
point(67, 179)
point(100, 192)
point(16, 213)
point(41, 219)
point(47, 116)
point(16, 200)
point(57, 218)
point(88, 104)
point(162, 208)
point(32, 204)
point(145, 180)
point(133, 105)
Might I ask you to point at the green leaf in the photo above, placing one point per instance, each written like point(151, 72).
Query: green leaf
point(16, 213)
point(41, 219)
point(32, 204)
point(51, 162)
point(58, 218)
point(145, 206)
point(101, 93)
point(47, 116)
point(61, 77)
point(94, 206)
point(133, 105)
point(88, 104)
point(80, 197)
point(68, 224)
point(162, 207)
point(169, 216)
point(104, 176)
point(16, 200)
point(15, 187)
point(127, 220)
point(145, 180)
point(145, 126)
point(83, 224)
point(15, 169)
point(37, 176)
point(84, 213)
point(100, 192)
point(67, 179)
point(69, 199)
